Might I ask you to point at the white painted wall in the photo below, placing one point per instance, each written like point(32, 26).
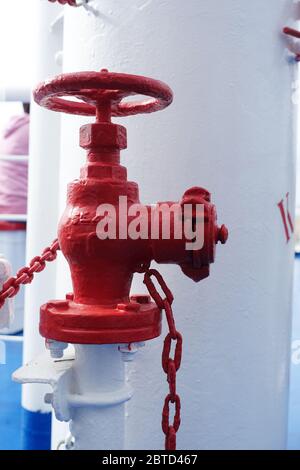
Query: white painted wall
point(17, 39)
point(230, 129)
point(16, 53)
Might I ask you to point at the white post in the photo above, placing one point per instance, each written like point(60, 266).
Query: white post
point(42, 216)
point(15, 93)
point(230, 129)
point(99, 395)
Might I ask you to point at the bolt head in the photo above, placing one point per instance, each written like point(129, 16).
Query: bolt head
point(60, 304)
point(128, 351)
point(56, 348)
point(141, 299)
point(129, 307)
point(48, 398)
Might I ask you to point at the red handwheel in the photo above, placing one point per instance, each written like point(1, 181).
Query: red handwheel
point(72, 3)
point(102, 94)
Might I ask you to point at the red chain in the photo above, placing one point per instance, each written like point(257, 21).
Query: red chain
point(170, 365)
point(25, 275)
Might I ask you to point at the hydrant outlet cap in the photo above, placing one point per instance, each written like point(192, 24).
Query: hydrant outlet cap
point(222, 234)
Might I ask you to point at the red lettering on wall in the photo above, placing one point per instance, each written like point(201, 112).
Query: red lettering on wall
point(286, 218)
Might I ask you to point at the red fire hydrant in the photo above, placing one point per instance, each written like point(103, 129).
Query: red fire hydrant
point(101, 311)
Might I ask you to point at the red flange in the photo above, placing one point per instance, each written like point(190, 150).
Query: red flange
point(129, 322)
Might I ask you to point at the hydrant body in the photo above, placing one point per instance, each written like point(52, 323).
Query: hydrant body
point(96, 230)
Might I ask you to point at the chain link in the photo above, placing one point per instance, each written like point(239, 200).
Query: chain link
point(170, 365)
point(25, 275)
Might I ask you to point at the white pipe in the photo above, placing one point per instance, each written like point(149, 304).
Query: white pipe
point(15, 94)
point(11, 339)
point(43, 190)
point(14, 158)
point(97, 403)
point(230, 129)
point(13, 217)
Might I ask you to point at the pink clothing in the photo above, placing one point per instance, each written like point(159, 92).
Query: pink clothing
point(13, 175)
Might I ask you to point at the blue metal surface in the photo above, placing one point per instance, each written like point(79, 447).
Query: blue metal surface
point(294, 405)
point(10, 396)
point(19, 429)
point(36, 430)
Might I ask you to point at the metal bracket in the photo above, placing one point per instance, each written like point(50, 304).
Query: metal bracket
point(58, 374)
point(54, 372)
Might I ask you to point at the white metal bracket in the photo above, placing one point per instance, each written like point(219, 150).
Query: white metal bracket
point(58, 374)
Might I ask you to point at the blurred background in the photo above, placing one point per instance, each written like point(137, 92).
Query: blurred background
point(18, 25)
